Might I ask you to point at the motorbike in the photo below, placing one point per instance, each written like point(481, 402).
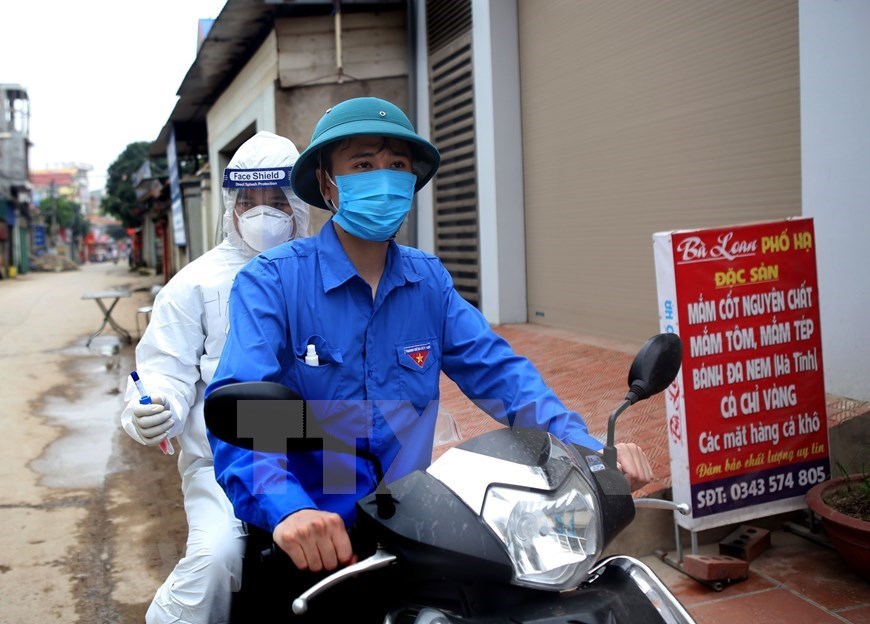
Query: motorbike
point(509, 526)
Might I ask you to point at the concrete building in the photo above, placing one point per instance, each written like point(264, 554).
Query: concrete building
point(15, 190)
point(571, 132)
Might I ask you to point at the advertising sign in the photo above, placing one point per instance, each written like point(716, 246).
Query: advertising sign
point(747, 417)
point(178, 232)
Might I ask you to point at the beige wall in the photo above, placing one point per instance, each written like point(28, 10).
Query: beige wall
point(249, 102)
point(640, 117)
point(374, 63)
point(298, 110)
point(373, 45)
point(292, 79)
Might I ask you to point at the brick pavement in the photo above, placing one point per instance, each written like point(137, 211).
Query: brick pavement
point(591, 378)
point(590, 375)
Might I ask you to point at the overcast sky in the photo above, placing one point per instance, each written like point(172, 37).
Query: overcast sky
point(100, 73)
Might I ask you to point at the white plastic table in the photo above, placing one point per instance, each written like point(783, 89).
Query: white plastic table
point(99, 297)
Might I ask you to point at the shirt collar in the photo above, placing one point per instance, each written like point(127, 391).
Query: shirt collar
point(336, 268)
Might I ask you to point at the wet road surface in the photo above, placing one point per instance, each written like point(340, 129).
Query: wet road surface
point(93, 521)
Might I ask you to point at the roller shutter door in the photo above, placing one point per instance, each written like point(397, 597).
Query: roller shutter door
point(640, 117)
point(448, 24)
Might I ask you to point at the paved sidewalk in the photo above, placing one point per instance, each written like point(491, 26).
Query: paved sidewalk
point(590, 375)
point(796, 580)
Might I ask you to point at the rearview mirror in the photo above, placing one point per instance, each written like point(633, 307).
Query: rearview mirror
point(267, 417)
point(262, 416)
point(655, 366)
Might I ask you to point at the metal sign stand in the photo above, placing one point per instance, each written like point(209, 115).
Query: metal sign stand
point(678, 562)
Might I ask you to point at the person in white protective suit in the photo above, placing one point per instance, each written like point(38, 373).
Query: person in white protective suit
point(176, 359)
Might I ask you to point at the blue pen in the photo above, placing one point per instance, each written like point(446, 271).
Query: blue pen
point(144, 399)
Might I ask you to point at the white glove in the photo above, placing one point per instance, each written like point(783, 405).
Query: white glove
point(153, 420)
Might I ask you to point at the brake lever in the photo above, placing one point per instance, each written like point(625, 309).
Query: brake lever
point(380, 559)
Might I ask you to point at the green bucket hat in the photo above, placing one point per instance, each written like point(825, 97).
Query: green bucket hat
point(356, 117)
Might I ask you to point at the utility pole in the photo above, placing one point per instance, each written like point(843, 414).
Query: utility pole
point(52, 191)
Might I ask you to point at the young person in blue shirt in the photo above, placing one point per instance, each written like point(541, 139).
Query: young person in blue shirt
point(385, 320)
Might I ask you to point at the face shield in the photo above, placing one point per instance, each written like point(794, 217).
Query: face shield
point(260, 209)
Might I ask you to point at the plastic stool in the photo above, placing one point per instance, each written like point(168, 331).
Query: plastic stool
point(146, 312)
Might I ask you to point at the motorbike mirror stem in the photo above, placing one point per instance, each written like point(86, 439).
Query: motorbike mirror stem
point(637, 392)
point(610, 448)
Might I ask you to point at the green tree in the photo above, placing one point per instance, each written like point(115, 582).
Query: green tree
point(68, 214)
point(120, 198)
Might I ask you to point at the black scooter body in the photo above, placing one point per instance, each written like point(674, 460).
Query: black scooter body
point(435, 534)
point(453, 561)
point(449, 566)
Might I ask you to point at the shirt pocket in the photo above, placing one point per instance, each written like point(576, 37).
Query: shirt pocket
point(326, 355)
point(419, 370)
point(318, 382)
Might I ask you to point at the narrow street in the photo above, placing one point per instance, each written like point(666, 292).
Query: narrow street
point(93, 522)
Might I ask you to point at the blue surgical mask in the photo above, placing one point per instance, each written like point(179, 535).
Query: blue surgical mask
point(372, 205)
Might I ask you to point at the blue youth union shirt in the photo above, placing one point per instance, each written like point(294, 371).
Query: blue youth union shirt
point(377, 385)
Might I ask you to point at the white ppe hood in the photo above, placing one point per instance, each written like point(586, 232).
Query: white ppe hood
point(258, 162)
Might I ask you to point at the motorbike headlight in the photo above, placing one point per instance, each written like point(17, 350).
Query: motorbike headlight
point(553, 538)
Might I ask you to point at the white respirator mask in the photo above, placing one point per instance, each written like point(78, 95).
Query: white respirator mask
point(264, 227)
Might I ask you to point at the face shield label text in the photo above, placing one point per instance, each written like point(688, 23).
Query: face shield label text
point(244, 178)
